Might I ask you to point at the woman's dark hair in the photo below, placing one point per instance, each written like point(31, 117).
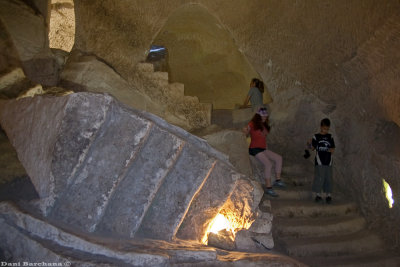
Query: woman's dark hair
point(261, 86)
point(255, 81)
point(258, 124)
point(326, 122)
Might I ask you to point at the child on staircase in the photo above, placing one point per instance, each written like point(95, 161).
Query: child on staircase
point(324, 145)
point(258, 128)
point(255, 95)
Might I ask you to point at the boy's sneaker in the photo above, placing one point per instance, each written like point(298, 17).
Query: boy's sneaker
point(279, 183)
point(318, 199)
point(271, 192)
point(328, 200)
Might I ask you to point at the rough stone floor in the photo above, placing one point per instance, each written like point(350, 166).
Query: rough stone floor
point(321, 234)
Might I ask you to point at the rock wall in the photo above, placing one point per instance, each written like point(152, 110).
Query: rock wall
point(317, 58)
point(62, 25)
point(27, 30)
point(306, 39)
point(203, 55)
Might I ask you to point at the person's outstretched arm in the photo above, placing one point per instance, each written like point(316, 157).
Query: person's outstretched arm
point(246, 130)
point(246, 102)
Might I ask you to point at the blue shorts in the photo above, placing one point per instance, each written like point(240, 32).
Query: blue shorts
point(255, 151)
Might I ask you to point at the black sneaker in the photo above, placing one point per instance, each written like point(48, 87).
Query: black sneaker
point(328, 200)
point(318, 199)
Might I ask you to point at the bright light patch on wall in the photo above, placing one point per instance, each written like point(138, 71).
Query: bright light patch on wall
point(388, 192)
point(62, 25)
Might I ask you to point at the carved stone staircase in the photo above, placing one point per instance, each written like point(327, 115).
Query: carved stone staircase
point(320, 234)
point(144, 89)
point(118, 187)
point(111, 170)
point(156, 85)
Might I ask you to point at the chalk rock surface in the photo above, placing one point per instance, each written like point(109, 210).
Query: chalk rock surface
point(104, 168)
point(27, 238)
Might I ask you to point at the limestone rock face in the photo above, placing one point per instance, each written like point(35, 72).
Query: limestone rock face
point(90, 74)
point(248, 241)
point(8, 52)
point(179, 109)
point(13, 82)
point(238, 153)
point(62, 25)
point(203, 55)
point(101, 167)
point(145, 90)
point(346, 69)
point(28, 32)
point(26, 28)
point(31, 239)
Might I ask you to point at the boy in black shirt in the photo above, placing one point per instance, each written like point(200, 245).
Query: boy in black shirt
point(324, 145)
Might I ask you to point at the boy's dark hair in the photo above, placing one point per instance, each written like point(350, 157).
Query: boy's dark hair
point(325, 122)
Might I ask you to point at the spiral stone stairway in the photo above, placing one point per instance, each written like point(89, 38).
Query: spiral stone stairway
point(316, 234)
point(100, 153)
point(320, 234)
point(118, 187)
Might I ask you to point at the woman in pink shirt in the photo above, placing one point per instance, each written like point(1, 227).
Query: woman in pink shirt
point(258, 128)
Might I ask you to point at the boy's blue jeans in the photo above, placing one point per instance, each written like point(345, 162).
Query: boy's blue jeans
point(322, 179)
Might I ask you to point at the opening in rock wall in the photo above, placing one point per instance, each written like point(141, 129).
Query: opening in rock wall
point(388, 193)
point(158, 56)
point(203, 56)
point(62, 25)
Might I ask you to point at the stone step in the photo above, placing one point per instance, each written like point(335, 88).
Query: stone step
point(145, 67)
point(289, 179)
point(160, 75)
point(369, 259)
point(318, 227)
point(299, 168)
point(177, 89)
point(294, 192)
point(28, 238)
point(194, 99)
point(102, 170)
point(184, 111)
point(174, 196)
point(229, 188)
point(73, 257)
point(334, 245)
point(222, 117)
point(207, 107)
point(103, 167)
point(144, 178)
point(304, 208)
point(44, 117)
point(297, 180)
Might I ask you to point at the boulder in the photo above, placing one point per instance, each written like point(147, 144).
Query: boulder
point(102, 167)
point(238, 153)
